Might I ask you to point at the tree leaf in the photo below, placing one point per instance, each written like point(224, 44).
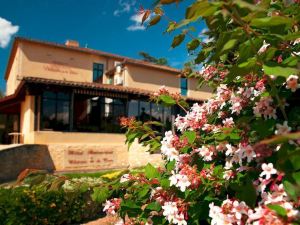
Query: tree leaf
point(275, 69)
point(100, 194)
point(151, 172)
point(271, 21)
point(154, 20)
point(146, 16)
point(190, 135)
point(153, 206)
point(167, 99)
point(193, 44)
point(278, 209)
point(178, 39)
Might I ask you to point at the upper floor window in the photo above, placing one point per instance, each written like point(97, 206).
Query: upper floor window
point(97, 72)
point(183, 86)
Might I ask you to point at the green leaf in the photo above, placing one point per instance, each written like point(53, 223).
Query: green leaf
point(271, 21)
point(153, 206)
point(275, 69)
point(178, 39)
point(154, 20)
point(290, 189)
point(100, 194)
point(200, 9)
point(229, 45)
point(190, 135)
point(278, 209)
point(151, 172)
point(193, 44)
point(167, 99)
point(170, 165)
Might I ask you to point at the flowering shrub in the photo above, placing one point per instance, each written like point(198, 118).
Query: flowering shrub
point(235, 158)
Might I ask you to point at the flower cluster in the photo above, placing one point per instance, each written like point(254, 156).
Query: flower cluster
point(175, 213)
point(111, 206)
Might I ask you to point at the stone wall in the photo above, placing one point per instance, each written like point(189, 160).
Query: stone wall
point(18, 158)
point(73, 157)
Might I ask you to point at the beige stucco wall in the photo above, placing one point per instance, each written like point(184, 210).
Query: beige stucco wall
point(12, 81)
point(38, 60)
point(27, 120)
point(195, 92)
point(57, 63)
point(51, 137)
point(150, 79)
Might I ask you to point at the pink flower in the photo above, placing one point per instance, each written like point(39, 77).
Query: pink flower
point(206, 153)
point(282, 129)
point(264, 108)
point(263, 48)
point(228, 122)
point(292, 83)
point(268, 170)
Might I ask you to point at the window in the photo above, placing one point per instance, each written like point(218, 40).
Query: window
point(183, 86)
point(97, 72)
point(55, 110)
point(98, 114)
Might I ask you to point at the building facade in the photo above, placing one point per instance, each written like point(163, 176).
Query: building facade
point(63, 93)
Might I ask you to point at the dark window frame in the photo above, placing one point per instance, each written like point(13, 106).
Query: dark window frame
point(98, 70)
point(183, 86)
point(57, 101)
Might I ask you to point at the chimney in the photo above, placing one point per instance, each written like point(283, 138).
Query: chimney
point(72, 43)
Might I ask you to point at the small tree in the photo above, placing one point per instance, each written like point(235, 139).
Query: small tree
point(148, 58)
point(235, 159)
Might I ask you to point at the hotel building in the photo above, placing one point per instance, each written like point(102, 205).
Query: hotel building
point(59, 93)
point(65, 101)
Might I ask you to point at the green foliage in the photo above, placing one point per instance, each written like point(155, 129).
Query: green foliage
point(148, 58)
point(36, 206)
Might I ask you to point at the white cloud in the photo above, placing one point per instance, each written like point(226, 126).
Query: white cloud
point(125, 7)
point(137, 22)
point(6, 32)
point(205, 38)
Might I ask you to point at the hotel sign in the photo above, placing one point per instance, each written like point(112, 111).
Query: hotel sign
point(89, 158)
point(60, 67)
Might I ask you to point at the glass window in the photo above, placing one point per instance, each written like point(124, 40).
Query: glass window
point(55, 111)
point(145, 111)
point(157, 112)
point(133, 108)
point(183, 86)
point(97, 72)
point(98, 114)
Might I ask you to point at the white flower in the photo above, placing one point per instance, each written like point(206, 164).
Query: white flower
point(282, 129)
point(268, 170)
point(297, 41)
point(120, 222)
point(170, 210)
point(179, 219)
point(125, 178)
point(227, 174)
point(263, 48)
point(179, 180)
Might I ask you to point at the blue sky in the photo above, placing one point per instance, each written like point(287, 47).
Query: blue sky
point(107, 25)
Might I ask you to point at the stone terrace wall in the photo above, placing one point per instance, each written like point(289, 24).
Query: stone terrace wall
point(73, 157)
point(15, 159)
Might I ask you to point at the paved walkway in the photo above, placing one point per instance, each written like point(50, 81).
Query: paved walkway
point(3, 147)
point(108, 220)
